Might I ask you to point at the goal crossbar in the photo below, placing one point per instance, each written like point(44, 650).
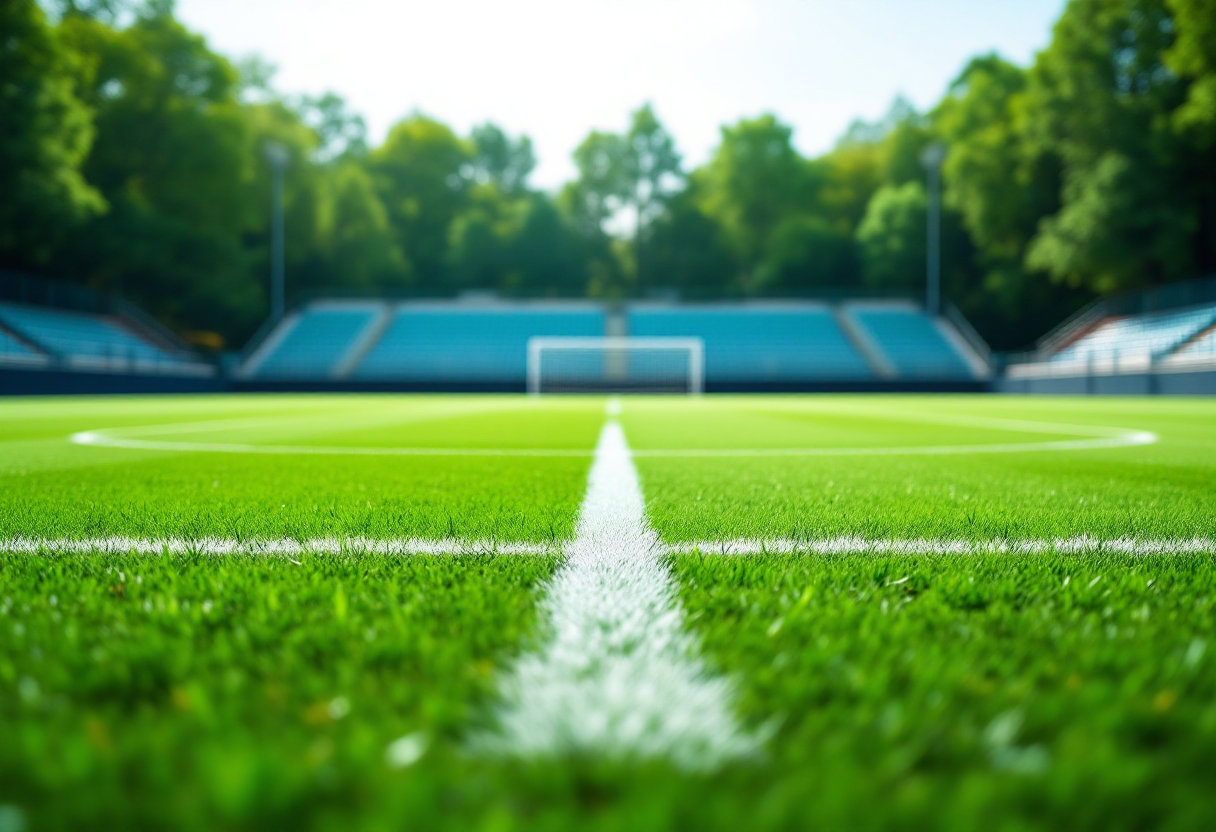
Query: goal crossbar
point(619, 345)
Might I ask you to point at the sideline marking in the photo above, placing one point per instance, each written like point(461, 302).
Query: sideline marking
point(1079, 544)
point(278, 546)
point(618, 675)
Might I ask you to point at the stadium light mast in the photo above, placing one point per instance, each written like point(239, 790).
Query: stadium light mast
point(932, 157)
point(278, 157)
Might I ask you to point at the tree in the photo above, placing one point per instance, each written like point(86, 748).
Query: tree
point(1101, 100)
point(174, 156)
point(807, 253)
point(636, 173)
point(688, 250)
point(754, 182)
point(1193, 58)
point(419, 173)
point(892, 238)
point(339, 131)
point(48, 131)
point(502, 161)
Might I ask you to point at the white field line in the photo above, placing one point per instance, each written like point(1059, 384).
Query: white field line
point(279, 546)
point(104, 439)
point(619, 675)
point(1080, 544)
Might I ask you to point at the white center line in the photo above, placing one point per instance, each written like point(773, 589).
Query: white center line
point(619, 675)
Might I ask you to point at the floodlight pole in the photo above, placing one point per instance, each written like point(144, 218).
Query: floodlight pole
point(932, 157)
point(277, 156)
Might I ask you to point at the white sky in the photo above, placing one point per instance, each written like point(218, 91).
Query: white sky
point(556, 69)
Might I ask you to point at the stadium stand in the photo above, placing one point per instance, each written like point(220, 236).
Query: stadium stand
point(15, 351)
point(769, 342)
point(315, 342)
point(484, 343)
point(913, 344)
point(1200, 348)
point(461, 342)
point(1160, 340)
point(1137, 340)
point(83, 340)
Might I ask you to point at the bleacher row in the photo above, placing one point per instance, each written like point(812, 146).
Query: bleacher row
point(1176, 339)
point(38, 336)
point(457, 342)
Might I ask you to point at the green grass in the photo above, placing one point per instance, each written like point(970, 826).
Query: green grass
point(1160, 490)
point(992, 692)
point(996, 692)
point(195, 692)
point(51, 488)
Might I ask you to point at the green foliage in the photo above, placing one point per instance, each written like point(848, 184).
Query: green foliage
point(892, 237)
point(419, 174)
point(48, 130)
point(755, 180)
point(1100, 98)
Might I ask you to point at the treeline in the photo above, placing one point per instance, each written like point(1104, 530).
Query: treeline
point(134, 160)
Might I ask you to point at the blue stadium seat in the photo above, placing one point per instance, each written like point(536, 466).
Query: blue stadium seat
point(1140, 336)
point(1203, 346)
point(911, 342)
point(320, 338)
point(76, 335)
point(459, 343)
point(758, 343)
point(15, 350)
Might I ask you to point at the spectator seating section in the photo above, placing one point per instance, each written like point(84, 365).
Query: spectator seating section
point(320, 337)
point(80, 338)
point(1202, 346)
point(1146, 337)
point(758, 343)
point(457, 343)
point(14, 350)
point(911, 341)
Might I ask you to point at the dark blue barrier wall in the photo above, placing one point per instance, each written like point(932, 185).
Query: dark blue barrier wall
point(1193, 383)
point(64, 382)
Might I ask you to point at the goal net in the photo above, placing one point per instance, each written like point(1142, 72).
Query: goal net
point(616, 365)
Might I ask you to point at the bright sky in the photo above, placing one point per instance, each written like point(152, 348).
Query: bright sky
point(556, 69)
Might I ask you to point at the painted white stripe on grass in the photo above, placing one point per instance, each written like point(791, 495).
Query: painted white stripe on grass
point(106, 440)
point(1081, 544)
point(618, 676)
point(280, 546)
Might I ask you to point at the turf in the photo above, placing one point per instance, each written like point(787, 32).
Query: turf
point(52, 488)
point(991, 692)
point(190, 692)
point(1003, 692)
point(1159, 490)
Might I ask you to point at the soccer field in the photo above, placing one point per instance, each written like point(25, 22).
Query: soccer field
point(787, 612)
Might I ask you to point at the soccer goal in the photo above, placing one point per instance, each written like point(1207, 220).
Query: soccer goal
point(616, 365)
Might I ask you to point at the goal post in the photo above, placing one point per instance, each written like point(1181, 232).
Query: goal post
point(616, 365)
